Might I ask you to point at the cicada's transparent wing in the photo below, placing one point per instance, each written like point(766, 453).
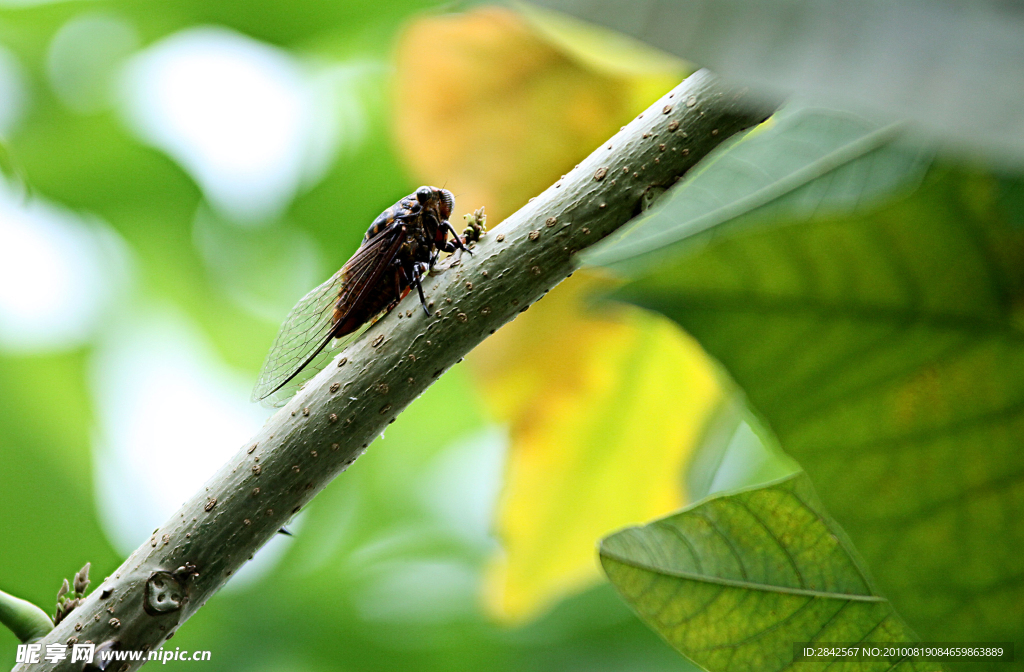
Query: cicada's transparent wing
point(317, 363)
point(301, 350)
point(307, 328)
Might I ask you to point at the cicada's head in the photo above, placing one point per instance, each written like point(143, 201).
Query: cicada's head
point(441, 199)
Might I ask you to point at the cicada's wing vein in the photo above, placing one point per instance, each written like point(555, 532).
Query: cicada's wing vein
point(300, 350)
point(306, 328)
point(315, 363)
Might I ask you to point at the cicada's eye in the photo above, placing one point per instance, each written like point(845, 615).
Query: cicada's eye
point(447, 203)
point(424, 195)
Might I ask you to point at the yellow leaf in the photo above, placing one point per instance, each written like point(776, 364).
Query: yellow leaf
point(487, 106)
point(603, 410)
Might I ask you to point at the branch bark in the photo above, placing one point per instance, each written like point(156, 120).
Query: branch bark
point(330, 423)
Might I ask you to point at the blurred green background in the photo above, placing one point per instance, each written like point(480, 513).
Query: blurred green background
point(177, 175)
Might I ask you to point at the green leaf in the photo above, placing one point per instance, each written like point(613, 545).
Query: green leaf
point(734, 581)
point(806, 162)
point(885, 350)
point(955, 69)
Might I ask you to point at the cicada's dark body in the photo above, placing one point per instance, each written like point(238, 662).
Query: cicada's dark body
point(400, 246)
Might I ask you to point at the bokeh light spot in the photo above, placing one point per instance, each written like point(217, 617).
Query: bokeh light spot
point(84, 57)
point(13, 92)
point(59, 274)
point(244, 118)
point(170, 413)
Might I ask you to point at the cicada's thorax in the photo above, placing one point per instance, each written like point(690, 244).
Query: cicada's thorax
point(396, 212)
point(421, 230)
point(422, 224)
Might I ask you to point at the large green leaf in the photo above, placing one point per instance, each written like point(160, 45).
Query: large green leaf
point(885, 350)
point(955, 68)
point(734, 581)
point(806, 162)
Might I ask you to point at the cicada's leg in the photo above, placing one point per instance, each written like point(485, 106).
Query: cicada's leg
point(416, 274)
point(456, 244)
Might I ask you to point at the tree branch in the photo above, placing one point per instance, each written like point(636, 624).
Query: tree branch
point(331, 422)
point(28, 622)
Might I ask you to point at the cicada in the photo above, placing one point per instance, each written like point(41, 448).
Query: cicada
point(401, 245)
